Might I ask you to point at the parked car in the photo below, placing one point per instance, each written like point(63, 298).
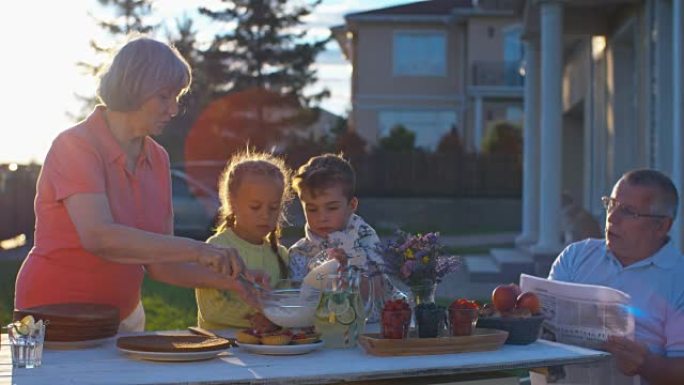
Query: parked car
point(195, 206)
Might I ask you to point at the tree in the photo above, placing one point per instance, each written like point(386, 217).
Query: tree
point(400, 139)
point(351, 144)
point(184, 38)
point(128, 17)
point(503, 138)
point(450, 142)
point(266, 54)
point(264, 49)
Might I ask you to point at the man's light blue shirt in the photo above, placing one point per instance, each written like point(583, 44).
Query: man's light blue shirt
point(655, 284)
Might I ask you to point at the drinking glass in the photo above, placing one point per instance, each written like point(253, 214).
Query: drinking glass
point(27, 349)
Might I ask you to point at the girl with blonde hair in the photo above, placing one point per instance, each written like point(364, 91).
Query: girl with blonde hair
point(254, 187)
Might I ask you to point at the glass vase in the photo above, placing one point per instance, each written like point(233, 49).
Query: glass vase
point(423, 291)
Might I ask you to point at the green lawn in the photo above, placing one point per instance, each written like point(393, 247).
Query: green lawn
point(8, 273)
point(166, 307)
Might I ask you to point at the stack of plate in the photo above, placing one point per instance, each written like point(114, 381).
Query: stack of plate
point(73, 322)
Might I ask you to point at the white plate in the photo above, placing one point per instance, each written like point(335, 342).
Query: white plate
point(279, 350)
point(172, 356)
point(77, 344)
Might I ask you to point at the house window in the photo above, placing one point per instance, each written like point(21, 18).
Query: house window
point(429, 126)
point(490, 32)
point(419, 53)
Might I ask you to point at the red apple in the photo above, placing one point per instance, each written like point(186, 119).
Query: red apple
point(504, 296)
point(529, 301)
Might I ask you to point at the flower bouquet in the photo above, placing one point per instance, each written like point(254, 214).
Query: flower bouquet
point(419, 262)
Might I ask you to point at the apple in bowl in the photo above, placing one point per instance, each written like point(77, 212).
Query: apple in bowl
point(530, 301)
point(504, 297)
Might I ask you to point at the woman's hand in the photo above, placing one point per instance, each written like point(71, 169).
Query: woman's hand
point(246, 291)
point(223, 260)
point(259, 277)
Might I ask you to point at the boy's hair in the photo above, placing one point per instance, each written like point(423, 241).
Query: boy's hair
point(250, 162)
point(324, 171)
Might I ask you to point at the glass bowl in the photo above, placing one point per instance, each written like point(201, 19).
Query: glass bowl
point(290, 305)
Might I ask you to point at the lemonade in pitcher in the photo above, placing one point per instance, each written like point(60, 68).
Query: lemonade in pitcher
point(340, 318)
point(340, 315)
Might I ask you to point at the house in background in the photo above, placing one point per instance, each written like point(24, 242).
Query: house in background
point(434, 65)
point(603, 95)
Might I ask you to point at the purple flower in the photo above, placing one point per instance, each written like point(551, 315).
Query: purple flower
point(427, 261)
point(407, 268)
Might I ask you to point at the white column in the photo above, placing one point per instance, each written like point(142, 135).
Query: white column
point(479, 129)
point(551, 125)
point(677, 156)
point(530, 203)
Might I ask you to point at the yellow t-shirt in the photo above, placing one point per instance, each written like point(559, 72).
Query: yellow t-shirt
point(221, 309)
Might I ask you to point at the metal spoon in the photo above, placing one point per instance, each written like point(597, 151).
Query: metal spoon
point(252, 283)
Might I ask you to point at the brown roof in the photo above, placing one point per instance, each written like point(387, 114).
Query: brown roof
point(430, 7)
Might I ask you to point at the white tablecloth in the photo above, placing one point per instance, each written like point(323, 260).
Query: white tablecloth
point(106, 365)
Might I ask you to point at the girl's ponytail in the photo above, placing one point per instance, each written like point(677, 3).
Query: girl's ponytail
point(273, 241)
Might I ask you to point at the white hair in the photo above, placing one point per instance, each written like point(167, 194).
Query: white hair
point(139, 70)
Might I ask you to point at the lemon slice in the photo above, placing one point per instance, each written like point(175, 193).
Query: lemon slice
point(348, 317)
point(338, 303)
point(26, 325)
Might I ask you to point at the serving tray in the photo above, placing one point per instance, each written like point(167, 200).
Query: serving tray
point(480, 340)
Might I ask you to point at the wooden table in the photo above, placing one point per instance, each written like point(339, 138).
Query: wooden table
point(106, 365)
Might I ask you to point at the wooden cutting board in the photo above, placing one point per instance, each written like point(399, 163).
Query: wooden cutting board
point(481, 340)
point(172, 344)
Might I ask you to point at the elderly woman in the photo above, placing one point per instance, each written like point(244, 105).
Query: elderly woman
point(103, 207)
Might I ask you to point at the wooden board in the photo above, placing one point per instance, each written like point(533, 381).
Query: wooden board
point(481, 340)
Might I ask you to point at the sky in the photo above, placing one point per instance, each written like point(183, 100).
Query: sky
point(44, 39)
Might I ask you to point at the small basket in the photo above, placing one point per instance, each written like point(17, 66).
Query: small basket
point(521, 331)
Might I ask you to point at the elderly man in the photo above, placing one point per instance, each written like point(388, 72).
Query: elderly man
point(637, 257)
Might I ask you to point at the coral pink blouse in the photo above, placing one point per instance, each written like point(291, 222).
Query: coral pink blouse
point(88, 159)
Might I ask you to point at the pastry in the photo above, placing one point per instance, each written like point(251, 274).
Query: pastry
point(306, 338)
point(278, 338)
point(247, 336)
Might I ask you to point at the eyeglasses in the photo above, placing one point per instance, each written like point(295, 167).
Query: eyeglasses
point(611, 205)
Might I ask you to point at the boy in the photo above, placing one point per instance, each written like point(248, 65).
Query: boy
point(325, 186)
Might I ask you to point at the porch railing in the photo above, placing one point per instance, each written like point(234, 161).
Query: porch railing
point(501, 73)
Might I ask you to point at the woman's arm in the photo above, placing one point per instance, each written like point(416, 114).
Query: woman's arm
point(195, 276)
point(100, 235)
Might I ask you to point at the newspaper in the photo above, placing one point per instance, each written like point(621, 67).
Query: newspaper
point(584, 315)
point(580, 314)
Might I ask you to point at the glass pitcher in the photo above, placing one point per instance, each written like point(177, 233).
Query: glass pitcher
point(341, 313)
